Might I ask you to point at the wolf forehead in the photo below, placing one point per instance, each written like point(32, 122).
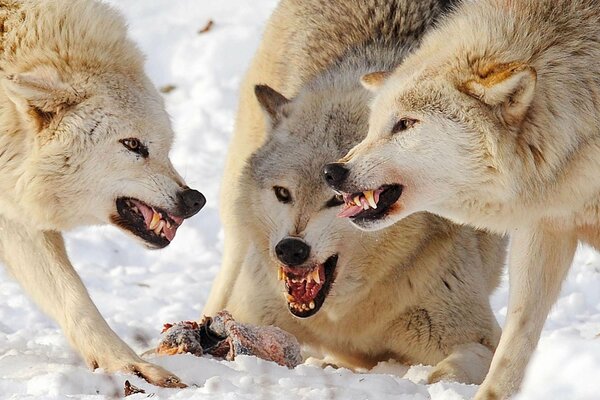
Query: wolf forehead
point(313, 134)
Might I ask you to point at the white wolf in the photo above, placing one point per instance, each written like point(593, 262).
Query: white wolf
point(84, 139)
point(495, 121)
point(417, 292)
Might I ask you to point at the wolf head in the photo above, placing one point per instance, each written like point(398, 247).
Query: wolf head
point(89, 131)
point(441, 140)
point(291, 214)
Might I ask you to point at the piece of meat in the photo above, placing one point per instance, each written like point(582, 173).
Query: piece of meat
point(223, 337)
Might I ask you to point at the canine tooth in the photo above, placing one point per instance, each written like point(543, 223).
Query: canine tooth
point(311, 305)
point(364, 204)
point(370, 198)
point(290, 298)
point(155, 220)
point(316, 276)
point(357, 200)
point(160, 226)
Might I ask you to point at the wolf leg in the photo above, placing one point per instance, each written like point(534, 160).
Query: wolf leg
point(468, 363)
point(539, 260)
point(39, 262)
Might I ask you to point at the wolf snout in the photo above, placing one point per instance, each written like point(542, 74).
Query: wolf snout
point(292, 251)
point(335, 174)
point(190, 202)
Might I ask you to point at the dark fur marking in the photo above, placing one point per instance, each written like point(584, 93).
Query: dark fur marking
point(419, 321)
point(447, 285)
point(96, 124)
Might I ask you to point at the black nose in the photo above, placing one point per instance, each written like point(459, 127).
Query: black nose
point(292, 252)
point(191, 202)
point(335, 174)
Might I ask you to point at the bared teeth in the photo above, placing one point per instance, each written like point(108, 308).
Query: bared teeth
point(370, 197)
point(160, 226)
point(364, 204)
point(316, 276)
point(155, 221)
point(311, 305)
point(357, 200)
point(290, 298)
point(280, 274)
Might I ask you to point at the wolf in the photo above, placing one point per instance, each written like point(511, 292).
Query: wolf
point(417, 292)
point(494, 121)
point(84, 140)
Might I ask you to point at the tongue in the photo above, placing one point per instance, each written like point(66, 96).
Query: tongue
point(170, 232)
point(350, 211)
point(146, 211)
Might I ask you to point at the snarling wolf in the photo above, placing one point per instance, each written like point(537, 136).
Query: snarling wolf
point(84, 139)
point(417, 292)
point(495, 122)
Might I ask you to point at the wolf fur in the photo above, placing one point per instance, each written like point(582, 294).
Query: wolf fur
point(72, 93)
point(418, 291)
point(504, 104)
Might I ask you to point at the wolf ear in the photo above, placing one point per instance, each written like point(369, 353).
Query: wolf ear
point(39, 95)
point(271, 101)
point(374, 80)
point(510, 87)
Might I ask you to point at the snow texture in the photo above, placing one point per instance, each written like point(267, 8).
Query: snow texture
point(138, 290)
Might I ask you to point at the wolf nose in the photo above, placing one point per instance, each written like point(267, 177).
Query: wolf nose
point(292, 252)
point(335, 174)
point(191, 202)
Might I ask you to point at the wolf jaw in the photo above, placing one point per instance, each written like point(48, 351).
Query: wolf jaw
point(156, 227)
point(370, 205)
point(308, 287)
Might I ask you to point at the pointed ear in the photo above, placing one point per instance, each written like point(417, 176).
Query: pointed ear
point(271, 101)
point(509, 87)
point(374, 80)
point(40, 94)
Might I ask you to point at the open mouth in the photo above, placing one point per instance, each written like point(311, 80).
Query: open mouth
point(152, 224)
point(370, 204)
point(307, 287)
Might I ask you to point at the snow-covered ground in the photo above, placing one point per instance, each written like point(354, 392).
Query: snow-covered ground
point(138, 290)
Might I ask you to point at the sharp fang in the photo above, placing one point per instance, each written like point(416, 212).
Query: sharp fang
point(290, 299)
point(160, 226)
point(316, 276)
point(365, 205)
point(311, 305)
point(280, 274)
point(357, 200)
point(155, 220)
point(370, 198)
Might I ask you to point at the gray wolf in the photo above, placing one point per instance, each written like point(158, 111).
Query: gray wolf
point(494, 121)
point(84, 139)
point(417, 292)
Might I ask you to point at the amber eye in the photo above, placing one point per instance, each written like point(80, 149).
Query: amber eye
point(134, 145)
point(403, 124)
point(282, 194)
point(335, 201)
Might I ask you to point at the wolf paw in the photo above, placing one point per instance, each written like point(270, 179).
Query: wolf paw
point(155, 375)
point(152, 373)
point(448, 372)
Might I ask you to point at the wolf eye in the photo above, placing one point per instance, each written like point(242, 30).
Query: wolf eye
point(282, 194)
point(134, 145)
point(335, 201)
point(403, 124)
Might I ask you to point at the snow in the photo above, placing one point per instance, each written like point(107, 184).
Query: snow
point(138, 290)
